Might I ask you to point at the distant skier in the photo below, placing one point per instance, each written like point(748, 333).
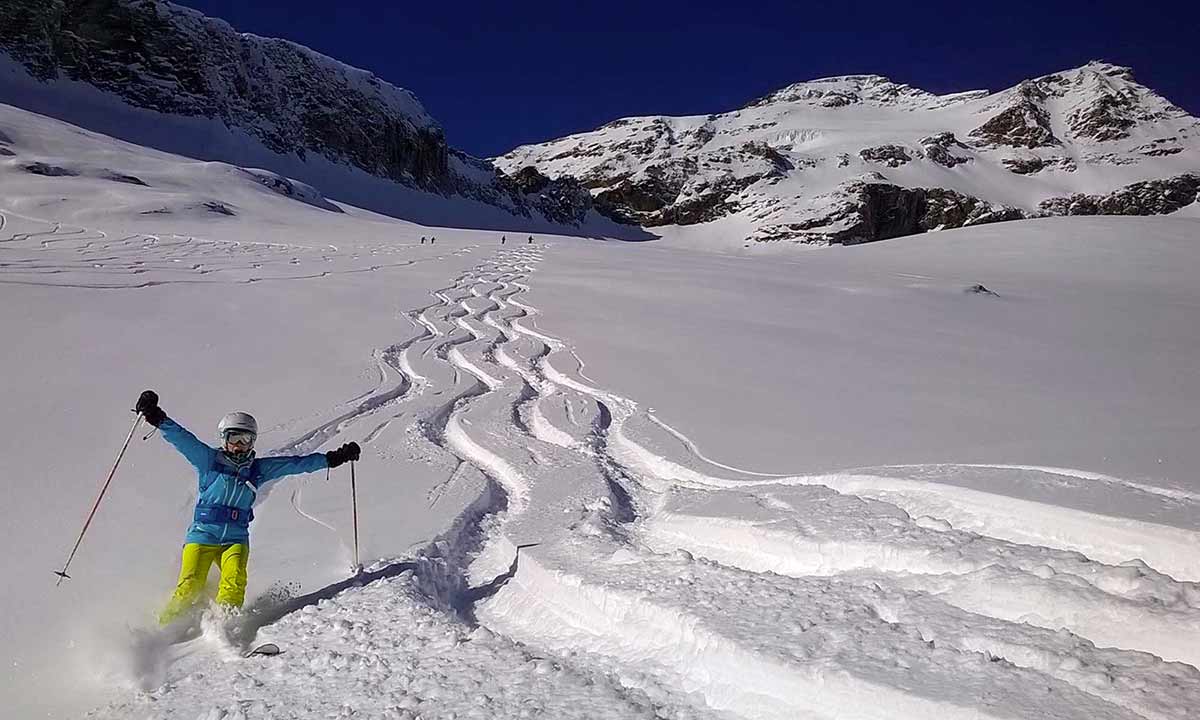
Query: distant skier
point(502, 238)
point(229, 480)
point(530, 240)
point(422, 239)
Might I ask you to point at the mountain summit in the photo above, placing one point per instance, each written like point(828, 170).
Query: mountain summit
point(843, 90)
point(859, 157)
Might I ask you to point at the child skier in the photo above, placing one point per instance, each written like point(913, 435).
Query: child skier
point(229, 480)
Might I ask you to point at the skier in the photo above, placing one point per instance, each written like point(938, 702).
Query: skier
point(229, 480)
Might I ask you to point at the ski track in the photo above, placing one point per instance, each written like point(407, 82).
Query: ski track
point(652, 583)
point(92, 260)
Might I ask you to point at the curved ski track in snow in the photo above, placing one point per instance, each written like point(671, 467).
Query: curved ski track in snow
point(48, 253)
point(665, 582)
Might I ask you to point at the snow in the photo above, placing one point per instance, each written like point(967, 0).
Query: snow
point(818, 145)
point(599, 479)
point(130, 132)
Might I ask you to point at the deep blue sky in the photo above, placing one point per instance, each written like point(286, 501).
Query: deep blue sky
point(498, 74)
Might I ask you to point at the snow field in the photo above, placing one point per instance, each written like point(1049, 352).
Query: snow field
point(539, 542)
point(44, 253)
point(817, 532)
point(677, 581)
point(833, 567)
point(602, 615)
point(1109, 539)
point(578, 610)
point(381, 652)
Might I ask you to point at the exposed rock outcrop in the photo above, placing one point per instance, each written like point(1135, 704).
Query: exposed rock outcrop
point(689, 189)
point(47, 170)
point(871, 211)
point(657, 200)
point(1108, 117)
point(786, 163)
point(1152, 197)
point(125, 179)
point(176, 61)
point(303, 106)
point(945, 149)
point(563, 200)
point(1025, 122)
point(890, 155)
point(1034, 164)
point(1114, 104)
point(1161, 147)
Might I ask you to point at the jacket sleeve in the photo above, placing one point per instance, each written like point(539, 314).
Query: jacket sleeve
point(276, 467)
point(196, 452)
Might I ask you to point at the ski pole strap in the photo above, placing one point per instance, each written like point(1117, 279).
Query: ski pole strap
point(223, 514)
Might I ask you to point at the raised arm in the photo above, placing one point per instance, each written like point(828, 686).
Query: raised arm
point(188, 445)
point(273, 468)
point(277, 467)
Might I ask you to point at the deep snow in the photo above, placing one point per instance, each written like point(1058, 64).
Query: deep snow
point(833, 486)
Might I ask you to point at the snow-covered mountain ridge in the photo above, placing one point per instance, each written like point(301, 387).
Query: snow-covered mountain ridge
point(857, 158)
point(217, 94)
point(843, 159)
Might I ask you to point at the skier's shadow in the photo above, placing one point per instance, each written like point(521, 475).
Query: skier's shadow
point(268, 612)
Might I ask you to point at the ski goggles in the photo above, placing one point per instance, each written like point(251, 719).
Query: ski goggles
point(239, 438)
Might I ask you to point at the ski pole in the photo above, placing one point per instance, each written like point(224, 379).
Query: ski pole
point(62, 575)
point(354, 506)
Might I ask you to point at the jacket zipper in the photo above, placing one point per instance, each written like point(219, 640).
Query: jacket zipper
point(235, 485)
point(225, 525)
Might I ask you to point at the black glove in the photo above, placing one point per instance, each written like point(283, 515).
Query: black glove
point(147, 405)
point(349, 451)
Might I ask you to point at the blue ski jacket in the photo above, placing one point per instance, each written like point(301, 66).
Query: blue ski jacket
point(227, 489)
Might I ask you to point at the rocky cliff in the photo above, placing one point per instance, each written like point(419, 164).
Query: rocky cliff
point(859, 158)
point(297, 103)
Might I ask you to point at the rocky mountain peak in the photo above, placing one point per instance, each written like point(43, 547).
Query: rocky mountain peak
point(825, 160)
point(1109, 70)
point(1096, 103)
point(845, 90)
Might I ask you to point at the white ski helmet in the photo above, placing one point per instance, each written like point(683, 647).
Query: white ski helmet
point(241, 421)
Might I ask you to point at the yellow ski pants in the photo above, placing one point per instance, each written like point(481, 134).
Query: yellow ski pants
point(193, 576)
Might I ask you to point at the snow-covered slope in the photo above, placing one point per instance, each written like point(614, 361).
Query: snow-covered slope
point(856, 158)
point(168, 77)
point(599, 479)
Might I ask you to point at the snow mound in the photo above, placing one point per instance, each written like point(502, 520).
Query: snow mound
point(294, 189)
